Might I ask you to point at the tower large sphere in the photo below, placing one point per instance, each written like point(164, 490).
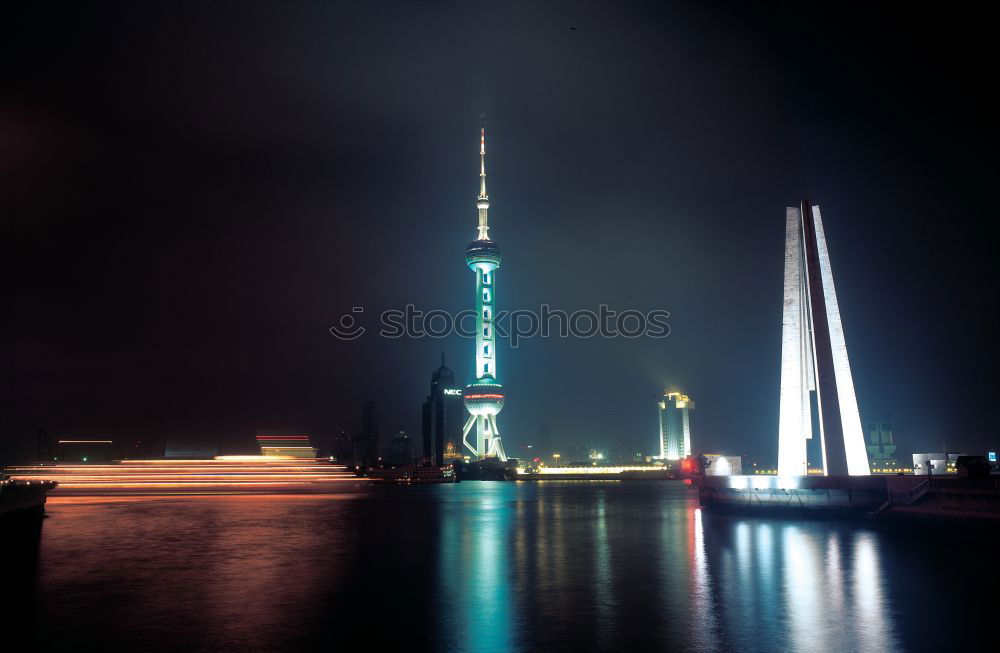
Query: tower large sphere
point(483, 254)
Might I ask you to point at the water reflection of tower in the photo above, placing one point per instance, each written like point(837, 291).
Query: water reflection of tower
point(484, 397)
point(443, 414)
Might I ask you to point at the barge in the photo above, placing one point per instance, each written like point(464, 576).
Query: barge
point(23, 499)
point(412, 474)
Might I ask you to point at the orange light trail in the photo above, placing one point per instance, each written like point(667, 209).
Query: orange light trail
point(232, 474)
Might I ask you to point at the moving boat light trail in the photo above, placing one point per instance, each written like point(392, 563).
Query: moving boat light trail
point(220, 475)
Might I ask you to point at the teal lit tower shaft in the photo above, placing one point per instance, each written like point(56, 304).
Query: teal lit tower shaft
point(484, 397)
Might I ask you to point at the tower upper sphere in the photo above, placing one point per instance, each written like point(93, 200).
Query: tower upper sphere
point(484, 254)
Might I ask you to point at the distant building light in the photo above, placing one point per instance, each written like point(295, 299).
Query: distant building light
point(84, 441)
point(594, 469)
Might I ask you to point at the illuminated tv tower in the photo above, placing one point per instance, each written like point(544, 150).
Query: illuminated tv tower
point(484, 396)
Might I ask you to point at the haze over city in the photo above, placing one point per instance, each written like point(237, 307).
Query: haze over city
point(197, 197)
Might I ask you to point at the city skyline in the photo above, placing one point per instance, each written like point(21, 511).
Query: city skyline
point(180, 260)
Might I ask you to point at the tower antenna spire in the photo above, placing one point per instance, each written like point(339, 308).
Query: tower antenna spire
point(483, 201)
point(482, 155)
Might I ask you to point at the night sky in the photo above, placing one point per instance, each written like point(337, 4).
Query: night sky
point(193, 195)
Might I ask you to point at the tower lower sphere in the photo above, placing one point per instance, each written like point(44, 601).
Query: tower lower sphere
point(484, 399)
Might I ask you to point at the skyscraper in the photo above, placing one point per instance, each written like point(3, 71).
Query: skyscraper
point(400, 450)
point(484, 397)
point(881, 448)
point(443, 415)
point(342, 449)
point(675, 425)
point(366, 442)
point(814, 357)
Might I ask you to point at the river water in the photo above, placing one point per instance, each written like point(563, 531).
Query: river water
point(485, 566)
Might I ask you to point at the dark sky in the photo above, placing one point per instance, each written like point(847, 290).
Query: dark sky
point(193, 194)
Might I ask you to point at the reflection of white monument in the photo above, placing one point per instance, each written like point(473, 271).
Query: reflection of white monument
point(814, 358)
